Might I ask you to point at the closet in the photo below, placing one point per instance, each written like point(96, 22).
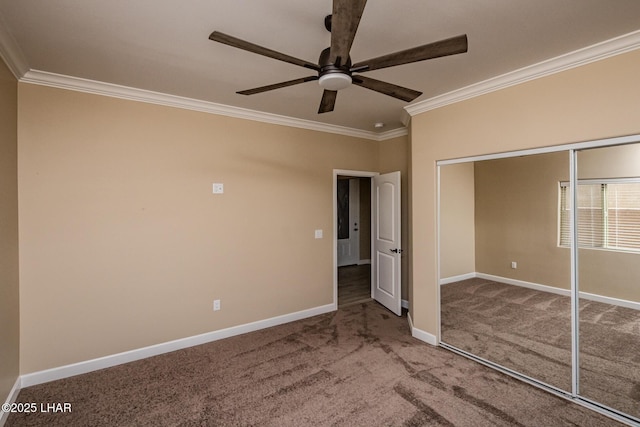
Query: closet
point(539, 268)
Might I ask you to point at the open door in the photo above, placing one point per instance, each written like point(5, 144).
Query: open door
point(386, 241)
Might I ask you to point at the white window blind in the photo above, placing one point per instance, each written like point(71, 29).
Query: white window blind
point(623, 216)
point(608, 214)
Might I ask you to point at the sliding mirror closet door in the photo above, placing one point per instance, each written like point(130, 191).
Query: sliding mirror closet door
point(608, 261)
point(505, 280)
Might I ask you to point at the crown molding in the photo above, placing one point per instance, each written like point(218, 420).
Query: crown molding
point(597, 52)
point(60, 81)
point(394, 133)
point(11, 53)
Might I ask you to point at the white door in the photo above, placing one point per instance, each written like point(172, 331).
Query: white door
point(349, 224)
point(386, 241)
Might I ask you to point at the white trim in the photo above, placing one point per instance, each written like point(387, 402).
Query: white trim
point(543, 288)
point(575, 299)
point(580, 145)
point(13, 395)
point(610, 300)
point(524, 284)
point(438, 259)
point(420, 334)
point(394, 133)
point(458, 278)
point(60, 81)
point(154, 350)
point(406, 118)
point(364, 262)
point(606, 49)
point(404, 304)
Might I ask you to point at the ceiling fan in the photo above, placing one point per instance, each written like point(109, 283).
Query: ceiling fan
point(334, 68)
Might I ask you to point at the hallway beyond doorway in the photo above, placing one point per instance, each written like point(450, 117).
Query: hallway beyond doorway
point(354, 284)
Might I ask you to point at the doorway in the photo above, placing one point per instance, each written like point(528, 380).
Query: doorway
point(353, 212)
point(384, 240)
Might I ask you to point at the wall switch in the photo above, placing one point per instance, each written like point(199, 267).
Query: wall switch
point(218, 188)
point(216, 305)
point(514, 264)
point(318, 234)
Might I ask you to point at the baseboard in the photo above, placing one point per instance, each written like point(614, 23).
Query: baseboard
point(609, 300)
point(404, 304)
point(544, 288)
point(364, 261)
point(13, 395)
point(524, 284)
point(154, 350)
point(420, 334)
point(457, 278)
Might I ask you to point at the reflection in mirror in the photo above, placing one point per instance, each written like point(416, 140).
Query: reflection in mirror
point(505, 281)
point(608, 226)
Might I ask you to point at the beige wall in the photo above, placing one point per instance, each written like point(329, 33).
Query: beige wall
point(9, 292)
point(594, 101)
point(517, 218)
point(122, 243)
point(457, 216)
point(393, 156)
point(622, 161)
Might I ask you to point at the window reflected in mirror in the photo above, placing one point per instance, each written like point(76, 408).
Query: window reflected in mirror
point(505, 263)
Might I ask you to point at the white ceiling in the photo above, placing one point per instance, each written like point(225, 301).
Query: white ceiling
point(163, 46)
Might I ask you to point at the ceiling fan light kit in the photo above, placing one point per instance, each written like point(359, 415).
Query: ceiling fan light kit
point(334, 68)
point(334, 81)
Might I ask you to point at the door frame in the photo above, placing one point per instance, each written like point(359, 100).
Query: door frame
point(355, 174)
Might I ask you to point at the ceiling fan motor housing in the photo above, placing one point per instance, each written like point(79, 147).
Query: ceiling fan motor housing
point(333, 76)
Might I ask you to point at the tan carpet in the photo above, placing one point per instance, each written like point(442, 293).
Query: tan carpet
point(358, 366)
point(529, 331)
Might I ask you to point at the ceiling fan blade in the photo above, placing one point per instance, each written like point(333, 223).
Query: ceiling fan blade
point(345, 19)
point(219, 37)
point(277, 85)
point(328, 101)
point(390, 89)
point(437, 49)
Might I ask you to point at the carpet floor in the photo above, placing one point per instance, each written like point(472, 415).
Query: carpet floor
point(357, 366)
point(529, 331)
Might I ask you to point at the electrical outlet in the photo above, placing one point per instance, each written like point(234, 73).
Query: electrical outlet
point(514, 265)
point(216, 305)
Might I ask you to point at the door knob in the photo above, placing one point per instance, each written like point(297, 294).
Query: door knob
point(396, 251)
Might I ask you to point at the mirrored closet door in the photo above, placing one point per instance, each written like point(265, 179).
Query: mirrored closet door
point(536, 288)
point(608, 233)
point(505, 281)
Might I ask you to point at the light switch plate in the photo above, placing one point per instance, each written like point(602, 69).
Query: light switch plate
point(218, 188)
point(318, 234)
